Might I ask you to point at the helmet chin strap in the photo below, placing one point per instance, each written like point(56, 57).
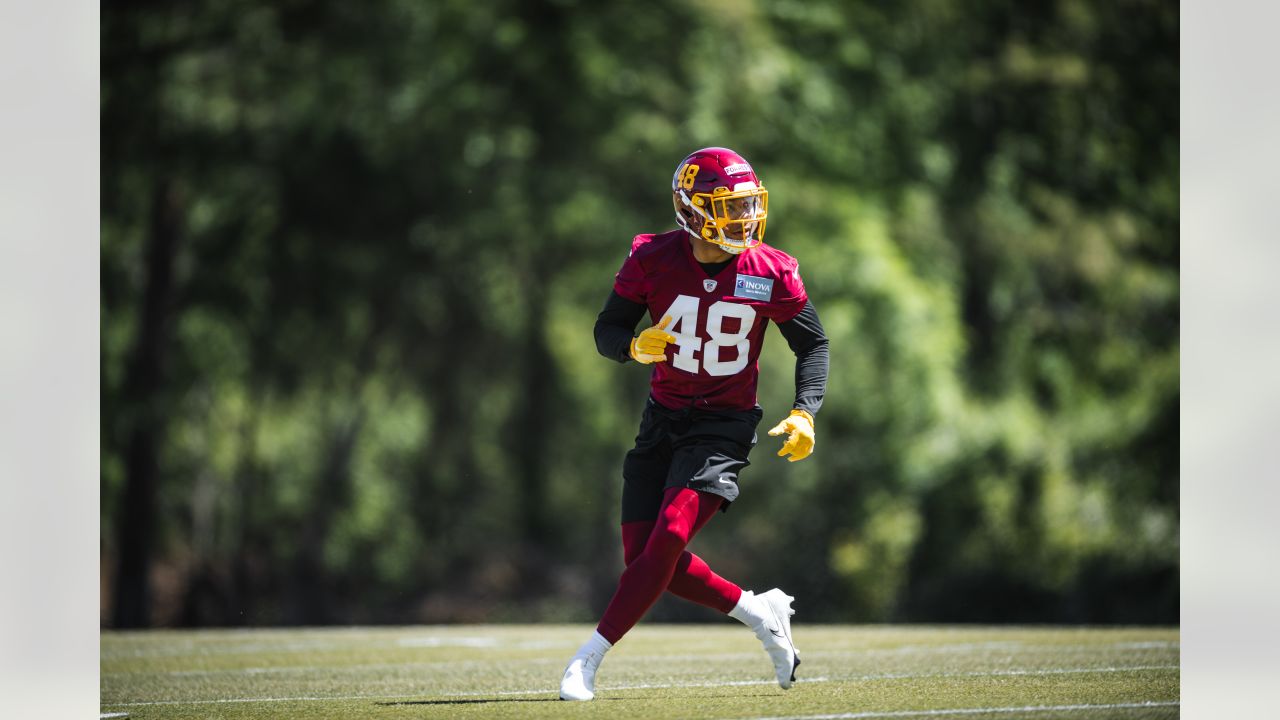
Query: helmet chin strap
point(726, 245)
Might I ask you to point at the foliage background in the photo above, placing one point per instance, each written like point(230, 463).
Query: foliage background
point(352, 254)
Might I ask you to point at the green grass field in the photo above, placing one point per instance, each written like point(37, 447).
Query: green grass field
point(658, 671)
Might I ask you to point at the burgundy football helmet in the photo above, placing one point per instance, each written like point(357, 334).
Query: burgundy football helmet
point(719, 198)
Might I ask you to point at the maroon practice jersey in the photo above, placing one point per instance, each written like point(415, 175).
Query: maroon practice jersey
point(718, 322)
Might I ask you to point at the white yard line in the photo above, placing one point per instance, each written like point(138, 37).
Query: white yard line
point(731, 683)
point(1008, 673)
point(1011, 647)
point(977, 711)
point(655, 686)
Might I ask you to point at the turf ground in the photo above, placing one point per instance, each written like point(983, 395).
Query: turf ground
point(684, 671)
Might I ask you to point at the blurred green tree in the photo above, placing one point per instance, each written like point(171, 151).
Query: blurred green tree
point(352, 254)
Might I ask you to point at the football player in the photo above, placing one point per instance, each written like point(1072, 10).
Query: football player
point(709, 287)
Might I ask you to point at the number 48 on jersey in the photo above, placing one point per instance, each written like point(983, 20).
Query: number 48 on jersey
point(684, 327)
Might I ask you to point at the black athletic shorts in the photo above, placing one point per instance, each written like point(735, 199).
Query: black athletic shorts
point(699, 449)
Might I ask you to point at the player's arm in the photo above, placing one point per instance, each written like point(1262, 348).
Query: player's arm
point(808, 341)
point(616, 326)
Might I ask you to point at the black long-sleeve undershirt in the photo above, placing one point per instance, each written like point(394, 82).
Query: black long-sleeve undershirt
point(616, 324)
point(808, 341)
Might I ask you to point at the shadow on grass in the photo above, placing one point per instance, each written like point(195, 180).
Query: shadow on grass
point(485, 701)
point(475, 701)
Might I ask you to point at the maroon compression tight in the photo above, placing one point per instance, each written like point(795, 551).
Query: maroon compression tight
point(657, 560)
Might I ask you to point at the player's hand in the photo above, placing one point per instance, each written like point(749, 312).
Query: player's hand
point(800, 442)
point(651, 345)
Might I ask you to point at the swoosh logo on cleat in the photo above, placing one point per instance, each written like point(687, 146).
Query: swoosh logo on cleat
point(775, 633)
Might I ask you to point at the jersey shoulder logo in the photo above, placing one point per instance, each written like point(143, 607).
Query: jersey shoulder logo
point(708, 285)
point(754, 288)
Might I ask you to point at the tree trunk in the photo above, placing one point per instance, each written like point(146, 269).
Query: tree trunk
point(533, 422)
point(144, 413)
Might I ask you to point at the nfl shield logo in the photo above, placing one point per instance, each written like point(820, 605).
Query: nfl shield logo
point(709, 285)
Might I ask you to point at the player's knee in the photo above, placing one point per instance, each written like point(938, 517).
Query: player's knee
point(664, 548)
point(674, 528)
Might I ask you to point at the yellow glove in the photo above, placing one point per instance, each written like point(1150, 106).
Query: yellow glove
point(651, 345)
point(800, 442)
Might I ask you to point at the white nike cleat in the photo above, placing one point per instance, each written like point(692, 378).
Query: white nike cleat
point(579, 681)
point(775, 634)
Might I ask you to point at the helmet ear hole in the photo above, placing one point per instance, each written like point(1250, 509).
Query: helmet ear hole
point(686, 216)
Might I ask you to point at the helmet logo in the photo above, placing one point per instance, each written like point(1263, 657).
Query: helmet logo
point(708, 285)
point(737, 169)
point(686, 174)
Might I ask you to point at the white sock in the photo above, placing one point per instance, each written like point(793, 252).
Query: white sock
point(596, 643)
point(748, 611)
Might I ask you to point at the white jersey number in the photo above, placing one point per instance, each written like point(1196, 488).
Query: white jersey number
point(684, 327)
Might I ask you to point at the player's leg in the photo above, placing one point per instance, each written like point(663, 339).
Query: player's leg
point(769, 614)
point(708, 456)
point(635, 535)
point(693, 579)
point(683, 513)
